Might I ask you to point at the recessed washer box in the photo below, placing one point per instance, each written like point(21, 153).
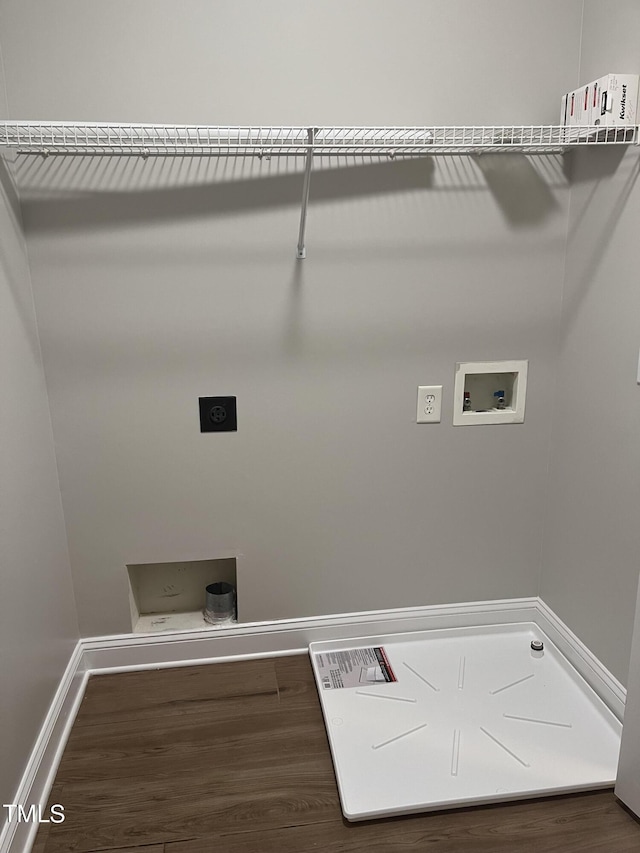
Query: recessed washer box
point(489, 392)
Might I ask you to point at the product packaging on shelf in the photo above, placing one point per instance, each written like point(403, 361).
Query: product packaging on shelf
point(609, 101)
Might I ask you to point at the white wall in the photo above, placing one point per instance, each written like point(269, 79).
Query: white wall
point(628, 781)
point(38, 626)
point(157, 283)
point(592, 543)
point(291, 61)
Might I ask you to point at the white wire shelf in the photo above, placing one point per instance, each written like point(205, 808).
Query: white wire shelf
point(146, 140)
point(70, 138)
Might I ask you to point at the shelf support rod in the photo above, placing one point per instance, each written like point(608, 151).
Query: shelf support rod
point(301, 251)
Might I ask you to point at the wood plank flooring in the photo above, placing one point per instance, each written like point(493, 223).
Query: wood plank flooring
point(233, 758)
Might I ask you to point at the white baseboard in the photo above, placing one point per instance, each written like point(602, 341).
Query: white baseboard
point(288, 636)
point(128, 652)
point(38, 777)
point(607, 687)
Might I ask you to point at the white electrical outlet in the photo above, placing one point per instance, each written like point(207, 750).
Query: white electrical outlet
point(429, 404)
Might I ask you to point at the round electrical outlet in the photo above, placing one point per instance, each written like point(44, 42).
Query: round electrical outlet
point(218, 414)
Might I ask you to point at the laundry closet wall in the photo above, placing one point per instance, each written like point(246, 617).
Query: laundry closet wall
point(592, 538)
point(160, 281)
point(38, 625)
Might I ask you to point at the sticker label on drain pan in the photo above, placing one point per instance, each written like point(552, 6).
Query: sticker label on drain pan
point(353, 668)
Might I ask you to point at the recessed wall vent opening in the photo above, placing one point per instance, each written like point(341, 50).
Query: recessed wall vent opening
point(173, 597)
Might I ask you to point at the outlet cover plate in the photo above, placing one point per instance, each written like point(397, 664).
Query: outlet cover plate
point(429, 404)
point(218, 414)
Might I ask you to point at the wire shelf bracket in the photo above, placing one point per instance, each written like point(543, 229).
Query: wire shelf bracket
point(301, 251)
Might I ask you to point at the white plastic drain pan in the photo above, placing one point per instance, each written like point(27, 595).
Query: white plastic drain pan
point(440, 719)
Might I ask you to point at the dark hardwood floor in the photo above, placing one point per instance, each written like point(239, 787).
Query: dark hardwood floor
point(233, 758)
